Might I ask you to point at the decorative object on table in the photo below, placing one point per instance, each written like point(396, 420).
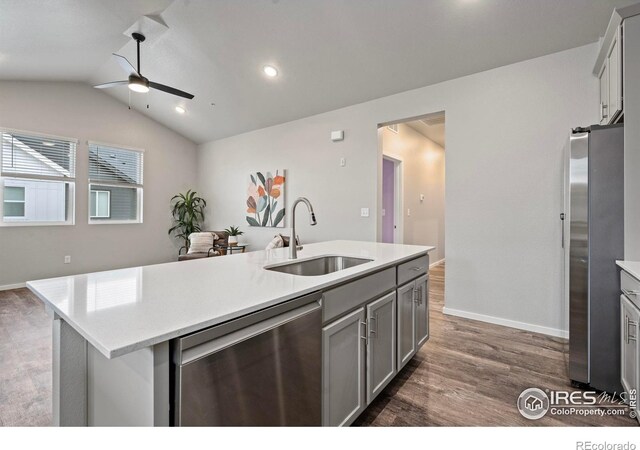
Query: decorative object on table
point(233, 233)
point(187, 211)
point(265, 202)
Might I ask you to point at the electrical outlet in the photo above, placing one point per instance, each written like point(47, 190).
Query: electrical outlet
point(364, 212)
point(408, 212)
point(67, 259)
point(384, 212)
point(343, 162)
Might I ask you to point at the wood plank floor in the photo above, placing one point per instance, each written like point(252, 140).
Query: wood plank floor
point(469, 373)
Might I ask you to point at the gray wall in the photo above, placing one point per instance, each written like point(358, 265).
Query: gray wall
point(79, 111)
point(632, 139)
point(505, 131)
point(423, 170)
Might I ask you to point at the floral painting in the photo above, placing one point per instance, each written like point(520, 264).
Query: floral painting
point(265, 201)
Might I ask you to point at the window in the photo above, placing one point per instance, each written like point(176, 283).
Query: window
point(38, 179)
point(14, 201)
point(100, 204)
point(115, 184)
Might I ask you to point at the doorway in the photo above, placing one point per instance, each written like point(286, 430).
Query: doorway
point(391, 200)
point(412, 182)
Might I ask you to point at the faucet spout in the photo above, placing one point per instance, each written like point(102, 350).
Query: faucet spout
point(293, 244)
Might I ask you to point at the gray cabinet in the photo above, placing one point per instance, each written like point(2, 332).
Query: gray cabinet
point(343, 372)
point(406, 324)
point(381, 344)
point(604, 94)
point(610, 76)
point(422, 311)
point(413, 318)
point(630, 317)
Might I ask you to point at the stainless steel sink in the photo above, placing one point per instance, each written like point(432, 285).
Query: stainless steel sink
point(318, 266)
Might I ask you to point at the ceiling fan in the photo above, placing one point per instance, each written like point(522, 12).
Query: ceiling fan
point(136, 81)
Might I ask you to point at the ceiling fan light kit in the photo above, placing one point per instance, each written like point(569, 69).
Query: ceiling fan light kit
point(136, 82)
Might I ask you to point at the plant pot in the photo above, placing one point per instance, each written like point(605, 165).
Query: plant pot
point(233, 241)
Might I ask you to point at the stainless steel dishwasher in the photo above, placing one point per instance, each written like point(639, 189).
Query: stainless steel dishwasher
point(263, 369)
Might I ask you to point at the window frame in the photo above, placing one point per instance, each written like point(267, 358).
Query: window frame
point(97, 192)
point(70, 181)
point(138, 187)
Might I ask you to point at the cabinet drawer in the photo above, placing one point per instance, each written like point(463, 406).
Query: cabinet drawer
point(630, 285)
point(351, 295)
point(412, 269)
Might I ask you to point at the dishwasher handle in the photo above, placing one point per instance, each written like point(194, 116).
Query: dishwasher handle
point(215, 345)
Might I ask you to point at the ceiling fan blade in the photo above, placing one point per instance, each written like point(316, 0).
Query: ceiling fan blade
point(170, 90)
point(111, 84)
point(126, 65)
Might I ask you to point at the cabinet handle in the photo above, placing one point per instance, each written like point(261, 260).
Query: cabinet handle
point(416, 300)
point(626, 329)
point(365, 331)
point(371, 330)
point(633, 325)
point(602, 108)
point(417, 269)
point(635, 293)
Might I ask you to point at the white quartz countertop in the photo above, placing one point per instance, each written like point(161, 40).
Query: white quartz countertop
point(121, 311)
point(631, 267)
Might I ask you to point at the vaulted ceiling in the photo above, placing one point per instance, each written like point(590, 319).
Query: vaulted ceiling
point(329, 53)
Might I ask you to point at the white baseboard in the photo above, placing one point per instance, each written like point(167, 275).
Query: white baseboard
point(436, 263)
point(8, 287)
point(507, 323)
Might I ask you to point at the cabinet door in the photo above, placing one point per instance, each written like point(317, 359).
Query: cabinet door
point(604, 94)
point(406, 324)
point(343, 369)
point(381, 344)
point(629, 315)
point(614, 60)
point(422, 311)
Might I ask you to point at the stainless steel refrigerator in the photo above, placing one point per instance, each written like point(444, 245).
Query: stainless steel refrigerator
point(592, 237)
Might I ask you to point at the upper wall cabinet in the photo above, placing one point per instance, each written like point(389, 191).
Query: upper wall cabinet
point(610, 76)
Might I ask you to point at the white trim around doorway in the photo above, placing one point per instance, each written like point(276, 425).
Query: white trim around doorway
point(398, 201)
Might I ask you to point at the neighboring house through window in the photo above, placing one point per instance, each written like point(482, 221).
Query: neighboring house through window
point(115, 184)
point(37, 178)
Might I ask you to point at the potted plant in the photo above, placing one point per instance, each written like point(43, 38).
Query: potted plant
point(234, 232)
point(187, 211)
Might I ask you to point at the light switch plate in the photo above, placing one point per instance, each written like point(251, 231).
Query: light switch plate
point(364, 212)
point(67, 259)
point(343, 162)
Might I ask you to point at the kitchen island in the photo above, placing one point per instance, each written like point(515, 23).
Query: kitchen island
point(113, 331)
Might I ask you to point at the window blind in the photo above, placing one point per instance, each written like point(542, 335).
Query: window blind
point(26, 155)
point(111, 165)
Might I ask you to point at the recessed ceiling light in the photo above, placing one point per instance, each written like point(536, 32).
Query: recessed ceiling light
point(180, 110)
point(48, 144)
point(270, 71)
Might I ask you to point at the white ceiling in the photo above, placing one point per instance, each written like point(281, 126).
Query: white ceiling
point(330, 53)
point(433, 131)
